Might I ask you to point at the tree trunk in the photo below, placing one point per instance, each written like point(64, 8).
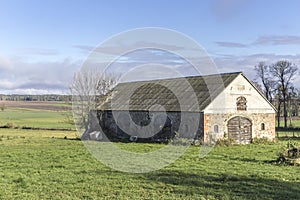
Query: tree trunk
point(285, 110)
point(278, 114)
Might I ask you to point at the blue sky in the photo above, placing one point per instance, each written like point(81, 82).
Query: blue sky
point(44, 42)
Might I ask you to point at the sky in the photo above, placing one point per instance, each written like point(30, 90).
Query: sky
point(43, 43)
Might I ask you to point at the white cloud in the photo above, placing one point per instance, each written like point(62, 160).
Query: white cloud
point(38, 77)
point(266, 40)
point(278, 40)
point(231, 44)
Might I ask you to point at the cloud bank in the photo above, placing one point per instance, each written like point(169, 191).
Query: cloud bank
point(22, 77)
point(266, 40)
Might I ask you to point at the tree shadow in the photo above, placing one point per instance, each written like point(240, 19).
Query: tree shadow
point(226, 185)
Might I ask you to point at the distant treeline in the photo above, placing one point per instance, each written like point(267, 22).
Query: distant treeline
point(47, 97)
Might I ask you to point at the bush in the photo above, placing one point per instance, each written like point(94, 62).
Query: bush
point(197, 142)
point(181, 141)
point(225, 142)
point(291, 156)
point(2, 107)
point(9, 125)
point(264, 140)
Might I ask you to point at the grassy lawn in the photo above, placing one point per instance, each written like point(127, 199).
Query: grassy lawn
point(288, 134)
point(42, 165)
point(35, 118)
point(295, 123)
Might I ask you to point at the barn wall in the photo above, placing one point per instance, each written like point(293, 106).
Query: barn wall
point(226, 100)
point(221, 120)
point(225, 106)
point(188, 125)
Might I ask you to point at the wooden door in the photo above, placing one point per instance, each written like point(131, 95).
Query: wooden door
point(240, 129)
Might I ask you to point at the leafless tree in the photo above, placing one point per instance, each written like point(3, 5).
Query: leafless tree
point(278, 103)
point(284, 72)
point(263, 73)
point(292, 103)
point(89, 90)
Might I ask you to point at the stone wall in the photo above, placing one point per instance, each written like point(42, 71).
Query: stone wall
point(221, 120)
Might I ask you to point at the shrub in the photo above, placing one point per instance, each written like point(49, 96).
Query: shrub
point(9, 125)
point(197, 142)
point(2, 107)
point(181, 141)
point(290, 156)
point(264, 140)
point(225, 142)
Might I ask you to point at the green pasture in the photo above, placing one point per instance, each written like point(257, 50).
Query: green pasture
point(295, 123)
point(35, 118)
point(288, 134)
point(39, 164)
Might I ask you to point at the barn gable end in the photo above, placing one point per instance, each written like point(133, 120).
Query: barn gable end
point(240, 111)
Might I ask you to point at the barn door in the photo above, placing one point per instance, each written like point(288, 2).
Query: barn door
point(240, 129)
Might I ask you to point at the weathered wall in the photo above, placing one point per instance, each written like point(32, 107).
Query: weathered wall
point(225, 107)
point(226, 101)
point(221, 120)
point(151, 124)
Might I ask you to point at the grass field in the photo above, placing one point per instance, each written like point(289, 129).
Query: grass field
point(295, 122)
point(37, 115)
point(42, 165)
point(288, 134)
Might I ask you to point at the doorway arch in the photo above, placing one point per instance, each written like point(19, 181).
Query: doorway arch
point(240, 129)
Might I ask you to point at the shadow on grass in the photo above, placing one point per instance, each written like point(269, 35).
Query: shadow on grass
point(289, 138)
point(226, 185)
point(67, 138)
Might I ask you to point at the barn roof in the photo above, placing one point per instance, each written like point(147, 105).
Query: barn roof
point(174, 94)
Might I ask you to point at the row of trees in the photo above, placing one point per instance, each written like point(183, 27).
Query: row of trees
point(277, 84)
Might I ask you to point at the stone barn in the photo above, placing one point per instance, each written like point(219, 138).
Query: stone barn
point(197, 107)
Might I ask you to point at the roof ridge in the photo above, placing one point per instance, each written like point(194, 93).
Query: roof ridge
point(193, 76)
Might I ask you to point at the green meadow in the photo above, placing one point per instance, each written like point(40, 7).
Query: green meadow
point(39, 164)
point(36, 118)
point(53, 164)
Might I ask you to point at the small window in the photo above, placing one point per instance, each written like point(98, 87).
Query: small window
point(262, 126)
point(216, 129)
point(241, 103)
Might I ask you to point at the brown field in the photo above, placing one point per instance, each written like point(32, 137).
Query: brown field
point(37, 105)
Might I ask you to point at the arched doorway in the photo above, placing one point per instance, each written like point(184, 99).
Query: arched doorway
point(240, 129)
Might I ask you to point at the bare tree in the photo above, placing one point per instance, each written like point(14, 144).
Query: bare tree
point(278, 103)
point(284, 72)
point(292, 103)
point(89, 89)
point(263, 73)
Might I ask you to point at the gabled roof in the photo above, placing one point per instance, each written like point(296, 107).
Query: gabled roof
point(145, 95)
point(260, 92)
